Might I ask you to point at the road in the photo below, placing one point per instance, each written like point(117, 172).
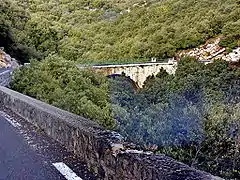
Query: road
point(26, 153)
point(4, 69)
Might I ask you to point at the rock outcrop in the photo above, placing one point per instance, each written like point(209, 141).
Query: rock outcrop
point(6, 61)
point(211, 50)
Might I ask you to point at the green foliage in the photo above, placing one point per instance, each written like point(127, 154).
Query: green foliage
point(60, 83)
point(232, 34)
point(192, 116)
point(12, 23)
point(98, 31)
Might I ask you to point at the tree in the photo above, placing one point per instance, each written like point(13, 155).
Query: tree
point(60, 83)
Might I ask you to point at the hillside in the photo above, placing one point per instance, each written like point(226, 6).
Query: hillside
point(192, 116)
point(13, 20)
point(116, 30)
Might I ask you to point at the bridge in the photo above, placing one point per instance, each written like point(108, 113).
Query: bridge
point(137, 72)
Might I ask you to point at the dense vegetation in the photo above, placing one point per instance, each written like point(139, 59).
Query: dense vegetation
point(193, 116)
point(60, 83)
point(13, 19)
point(103, 31)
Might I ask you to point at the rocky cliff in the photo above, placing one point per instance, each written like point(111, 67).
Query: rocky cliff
point(6, 61)
point(211, 50)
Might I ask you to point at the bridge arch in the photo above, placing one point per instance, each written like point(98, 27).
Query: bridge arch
point(128, 78)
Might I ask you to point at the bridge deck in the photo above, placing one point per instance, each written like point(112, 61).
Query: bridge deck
point(124, 65)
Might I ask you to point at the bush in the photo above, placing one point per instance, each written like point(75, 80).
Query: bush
point(60, 83)
point(192, 116)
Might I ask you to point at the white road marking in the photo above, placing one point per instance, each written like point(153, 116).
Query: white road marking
point(66, 171)
point(13, 123)
point(60, 166)
point(10, 120)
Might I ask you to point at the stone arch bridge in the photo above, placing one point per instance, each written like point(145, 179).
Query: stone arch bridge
point(136, 72)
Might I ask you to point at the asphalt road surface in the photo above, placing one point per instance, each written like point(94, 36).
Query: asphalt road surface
point(4, 69)
point(26, 153)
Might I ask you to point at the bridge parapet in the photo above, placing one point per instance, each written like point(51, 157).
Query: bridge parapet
point(130, 65)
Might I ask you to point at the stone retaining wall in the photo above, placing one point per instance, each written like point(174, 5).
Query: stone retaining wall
point(104, 151)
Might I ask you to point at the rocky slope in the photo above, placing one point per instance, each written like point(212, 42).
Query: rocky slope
point(211, 50)
point(6, 61)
